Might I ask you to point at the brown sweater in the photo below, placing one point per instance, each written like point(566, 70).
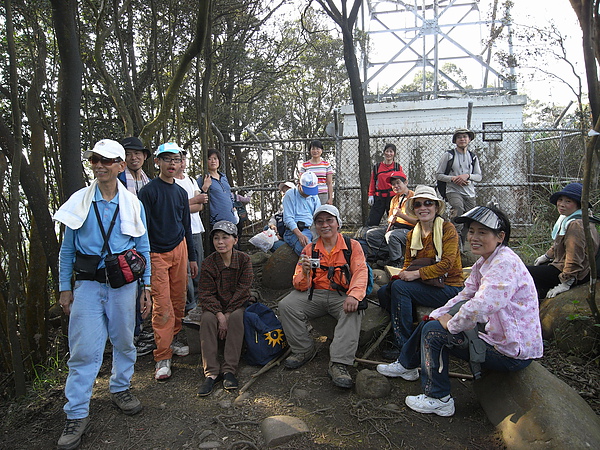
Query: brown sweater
point(450, 263)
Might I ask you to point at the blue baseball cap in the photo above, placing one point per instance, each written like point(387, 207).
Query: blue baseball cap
point(168, 147)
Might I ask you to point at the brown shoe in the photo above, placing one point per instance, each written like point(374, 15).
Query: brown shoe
point(296, 360)
point(339, 375)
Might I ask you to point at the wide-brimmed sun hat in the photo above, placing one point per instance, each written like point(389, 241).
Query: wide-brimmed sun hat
point(463, 131)
point(571, 190)
point(427, 193)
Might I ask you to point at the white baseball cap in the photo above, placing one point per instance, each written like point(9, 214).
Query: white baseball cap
point(107, 148)
point(309, 183)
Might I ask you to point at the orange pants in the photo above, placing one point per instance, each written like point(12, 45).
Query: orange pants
point(169, 284)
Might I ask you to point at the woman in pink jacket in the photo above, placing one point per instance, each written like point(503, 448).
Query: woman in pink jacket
point(499, 295)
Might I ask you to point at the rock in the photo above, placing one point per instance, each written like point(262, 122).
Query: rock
point(371, 384)
point(192, 333)
point(240, 399)
point(373, 323)
point(578, 335)
point(210, 444)
point(279, 269)
point(300, 393)
point(534, 409)
point(259, 258)
point(278, 430)
point(225, 404)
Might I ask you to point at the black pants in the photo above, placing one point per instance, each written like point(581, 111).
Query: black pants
point(380, 206)
point(545, 278)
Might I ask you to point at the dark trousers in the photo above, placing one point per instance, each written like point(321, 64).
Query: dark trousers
point(380, 206)
point(545, 278)
point(209, 342)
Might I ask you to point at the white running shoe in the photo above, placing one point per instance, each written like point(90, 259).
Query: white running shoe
point(427, 405)
point(163, 369)
point(179, 349)
point(396, 369)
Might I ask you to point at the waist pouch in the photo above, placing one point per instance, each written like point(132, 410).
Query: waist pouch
point(124, 268)
point(86, 264)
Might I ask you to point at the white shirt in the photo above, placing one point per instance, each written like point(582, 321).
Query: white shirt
point(192, 188)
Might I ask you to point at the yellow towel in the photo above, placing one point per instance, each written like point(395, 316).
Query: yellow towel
point(438, 231)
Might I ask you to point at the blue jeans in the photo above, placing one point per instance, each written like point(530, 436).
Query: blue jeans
point(424, 348)
point(98, 312)
point(291, 240)
point(405, 295)
point(192, 285)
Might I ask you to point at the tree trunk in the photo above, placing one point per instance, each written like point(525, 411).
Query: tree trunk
point(69, 101)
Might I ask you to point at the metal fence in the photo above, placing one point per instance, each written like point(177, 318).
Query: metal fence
point(520, 168)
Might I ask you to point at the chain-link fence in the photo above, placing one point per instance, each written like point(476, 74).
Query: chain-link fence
point(520, 168)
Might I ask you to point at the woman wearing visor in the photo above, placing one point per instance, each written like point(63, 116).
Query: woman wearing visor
point(499, 293)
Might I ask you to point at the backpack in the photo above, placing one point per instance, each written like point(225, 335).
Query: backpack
point(241, 211)
point(441, 185)
point(376, 173)
point(345, 269)
point(263, 335)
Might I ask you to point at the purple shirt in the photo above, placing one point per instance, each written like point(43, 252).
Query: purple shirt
point(501, 292)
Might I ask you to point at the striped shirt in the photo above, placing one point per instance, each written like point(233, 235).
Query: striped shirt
point(321, 170)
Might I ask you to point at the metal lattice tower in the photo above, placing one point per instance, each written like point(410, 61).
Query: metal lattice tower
point(419, 36)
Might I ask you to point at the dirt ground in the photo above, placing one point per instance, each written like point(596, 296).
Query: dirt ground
point(175, 418)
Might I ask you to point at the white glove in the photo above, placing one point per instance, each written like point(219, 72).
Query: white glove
point(541, 260)
point(371, 200)
point(249, 193)
point(562, 287)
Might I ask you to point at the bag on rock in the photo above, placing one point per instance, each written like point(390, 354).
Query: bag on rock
point(263, 335)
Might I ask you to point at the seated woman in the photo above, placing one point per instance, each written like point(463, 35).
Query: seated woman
point(225, 281)
point(566, 263)
point(392, 239)
point(500, 293)
point(434, 239)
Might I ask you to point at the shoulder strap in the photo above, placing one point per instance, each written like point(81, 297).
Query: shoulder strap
point(450, 162)
point(375, 170)
point(105, 235)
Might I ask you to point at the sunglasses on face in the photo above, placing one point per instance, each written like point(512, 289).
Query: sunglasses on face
point(95, 159)
point(425, 203)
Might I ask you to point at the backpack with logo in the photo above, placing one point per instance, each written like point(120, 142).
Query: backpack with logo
point(263, 335)
point(441, 185)
point(345, 269)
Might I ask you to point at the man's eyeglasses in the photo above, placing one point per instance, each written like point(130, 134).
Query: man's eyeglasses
point(425, 203)
point(95, 159)
point(166, 159)
point(328, 221)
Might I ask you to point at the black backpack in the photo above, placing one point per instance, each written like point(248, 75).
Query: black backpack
point(441, 185)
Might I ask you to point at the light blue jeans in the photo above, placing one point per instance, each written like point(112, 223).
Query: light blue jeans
point(98, 312)
point(291, 239)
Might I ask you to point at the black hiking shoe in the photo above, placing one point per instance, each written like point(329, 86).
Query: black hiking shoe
point(73, 432)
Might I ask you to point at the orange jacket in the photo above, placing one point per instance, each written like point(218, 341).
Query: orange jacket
point(358, 268)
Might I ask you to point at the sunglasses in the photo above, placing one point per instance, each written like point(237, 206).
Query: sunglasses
point(95, 159)
point(425, 203)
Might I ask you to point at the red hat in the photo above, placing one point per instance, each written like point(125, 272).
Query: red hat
point(398, 174)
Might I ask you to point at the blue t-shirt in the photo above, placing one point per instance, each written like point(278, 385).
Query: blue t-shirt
point(220, 201)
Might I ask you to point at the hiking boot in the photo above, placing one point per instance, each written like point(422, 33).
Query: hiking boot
point(427, 405)
point(179, 349)
point(339, 375)
point(73, 432)
point(296, 360)
point(229, 381)
point(396, 369)
point(208, 386)
point(126, 402)
point(144, 348)
point(163, 369)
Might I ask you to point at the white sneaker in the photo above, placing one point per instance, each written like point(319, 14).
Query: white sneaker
point(163, 369)
point(396, 369)
point(179, 349)
point(422, 403)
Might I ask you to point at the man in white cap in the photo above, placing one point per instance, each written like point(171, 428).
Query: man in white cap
point(299, 205)
point(171, 246)
point(334, 286)
point(97, 311)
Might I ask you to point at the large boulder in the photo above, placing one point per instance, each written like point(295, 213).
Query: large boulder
point(534, 409)
point(279, 270)
point(567, 319)
point(278, 430)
